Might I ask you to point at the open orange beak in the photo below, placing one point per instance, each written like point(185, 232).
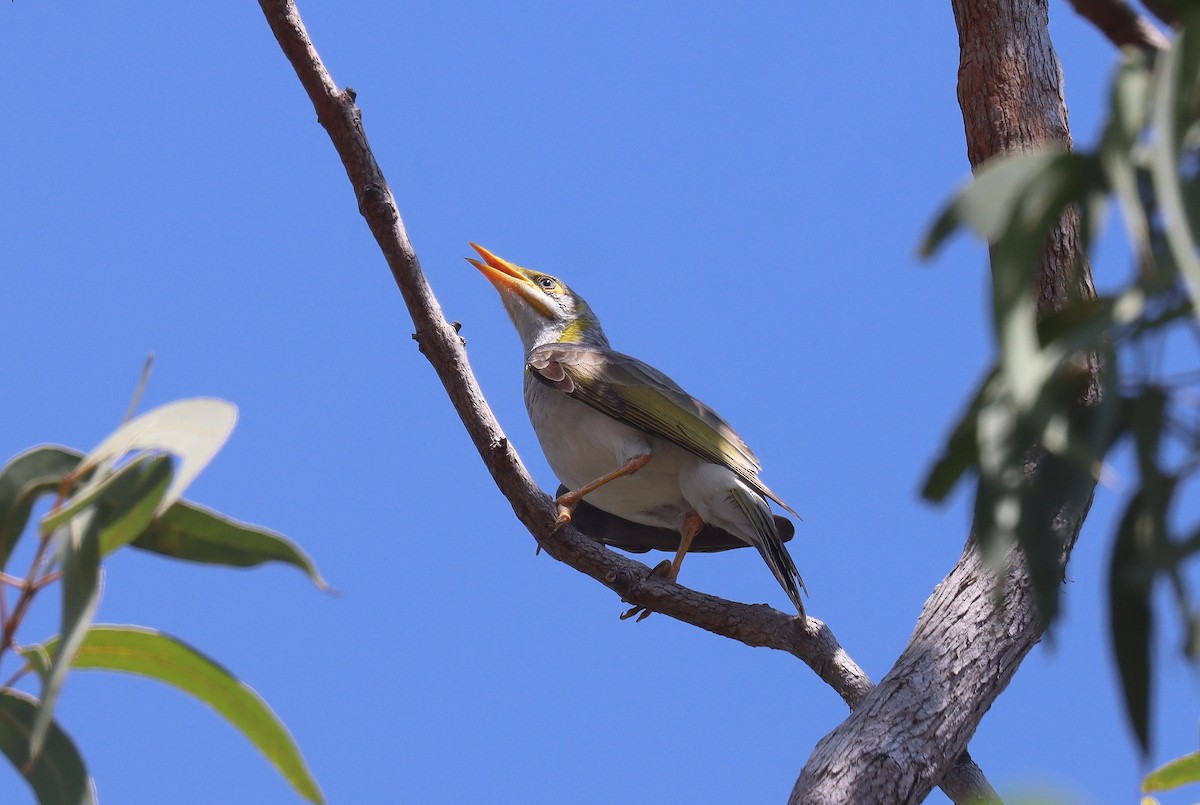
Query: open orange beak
point(510, 278)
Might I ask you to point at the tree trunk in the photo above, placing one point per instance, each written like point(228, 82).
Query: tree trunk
point(967, 643)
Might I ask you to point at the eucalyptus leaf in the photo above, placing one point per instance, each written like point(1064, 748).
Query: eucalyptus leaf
point(110, 486)
point(1131, 622)
point(1069, 179)
point(145, 652)
point(1191, 641)
point(80, 558)
point(1129, 104)
point(198, 534)
point(129, 508)
point(1057, 492)
point(1164, 159)
point(1146, 414)
point(58, 775)
point(192, 430)
point(35, 472)
point(961, 452)
point(986, 205)
point(1180, 771)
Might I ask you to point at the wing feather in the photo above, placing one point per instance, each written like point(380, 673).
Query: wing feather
point(637, 394)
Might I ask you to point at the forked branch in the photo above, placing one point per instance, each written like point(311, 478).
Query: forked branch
point(755, 625)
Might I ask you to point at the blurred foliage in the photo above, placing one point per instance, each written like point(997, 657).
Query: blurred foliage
point(125, 493)
point(1073, 384)
point(1180, 771)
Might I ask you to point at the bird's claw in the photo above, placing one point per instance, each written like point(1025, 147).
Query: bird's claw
point(564, 516)
point(663, 569)
point(566, 504)
point(645, 613)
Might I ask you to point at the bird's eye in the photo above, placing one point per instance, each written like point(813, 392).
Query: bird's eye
point(546, 282)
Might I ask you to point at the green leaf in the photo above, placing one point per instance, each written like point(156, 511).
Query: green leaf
point(1164, 154)
point(113, 489)
point(1146, 416)
point(127, 510)
point(193, 430)
point(1002, 445)
point(1131, 620)
point(1129, 102)
point(197, 534)
point(1191, 640)
point(961, 452)
point(135, 650)
point(1058, 491)
point(80, 557)
point(987, 204)
point(57, 776)
point(29, 474)
point(1180, 771)
point(1068, 179)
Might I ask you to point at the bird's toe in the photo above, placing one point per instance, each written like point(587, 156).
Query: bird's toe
point(641, 612)
point(564, 516)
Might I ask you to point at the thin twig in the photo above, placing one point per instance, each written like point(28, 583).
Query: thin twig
point(16, 677)
point(141, 388)
point(30, 586)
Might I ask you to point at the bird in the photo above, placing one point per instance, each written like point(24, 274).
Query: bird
point(626, 437)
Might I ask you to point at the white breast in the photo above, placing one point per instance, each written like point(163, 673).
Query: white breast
point(581, 444)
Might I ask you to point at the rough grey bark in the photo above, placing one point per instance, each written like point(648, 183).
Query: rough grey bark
point(968, 642)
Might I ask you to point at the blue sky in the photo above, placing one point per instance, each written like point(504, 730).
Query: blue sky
point(737, 193)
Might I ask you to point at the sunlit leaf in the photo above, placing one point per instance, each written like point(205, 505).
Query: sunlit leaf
point(986, 205)
point(1002, 448)
point(192, 430)
point(1070, 179)
point(79, 551)
point(197, 534)
point(159, 656)
point(112, 487)
point(34, 472)
point(58, 776)
point(128, 509)
point(1180, 771)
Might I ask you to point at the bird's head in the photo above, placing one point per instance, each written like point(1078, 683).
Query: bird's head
point(542, 307)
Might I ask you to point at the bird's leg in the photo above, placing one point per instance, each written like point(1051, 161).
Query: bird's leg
point(692, 526)
point(567, 501)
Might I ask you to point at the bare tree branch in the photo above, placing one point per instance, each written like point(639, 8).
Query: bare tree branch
point(753, 624)
point(756, 625)
point(1121, 23)
point(969, 641)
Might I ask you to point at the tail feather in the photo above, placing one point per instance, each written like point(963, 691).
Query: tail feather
point(771, 546)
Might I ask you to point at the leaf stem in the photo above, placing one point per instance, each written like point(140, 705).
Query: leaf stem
point(32, 583)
